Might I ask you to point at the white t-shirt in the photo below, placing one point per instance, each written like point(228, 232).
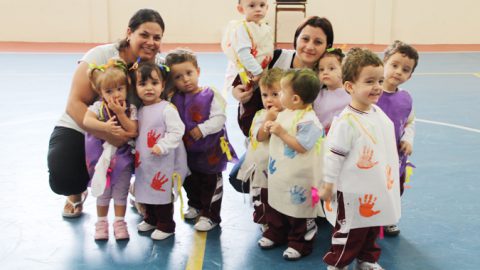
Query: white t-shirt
point(98, 55)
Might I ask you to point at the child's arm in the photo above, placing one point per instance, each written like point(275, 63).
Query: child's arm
point(214, 123)
point(406, 142)
point(275, 128)
point(128, 124)
point(270, 115)
point(174, 132)
point(91, 121)
point(243, 47)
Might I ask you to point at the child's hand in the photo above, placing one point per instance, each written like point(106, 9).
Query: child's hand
point(196, 134)
point(406, 148)
point(156, 150)
point(274, 128)
point(272, 113)
point(112, 127)
point(118, 107)
point(326, 191)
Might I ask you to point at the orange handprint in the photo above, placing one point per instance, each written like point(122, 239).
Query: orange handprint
point(365, 160)
point(328, 205)
point(389, 178)
point(367, 205)
point(152, 138)
point(157, 181)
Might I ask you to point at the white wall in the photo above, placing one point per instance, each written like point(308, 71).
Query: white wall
point(201, 21)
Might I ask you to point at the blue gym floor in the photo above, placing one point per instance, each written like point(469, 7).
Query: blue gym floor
point(439, 226)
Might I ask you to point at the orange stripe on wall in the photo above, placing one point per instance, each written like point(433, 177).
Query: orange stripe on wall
point(211, 47)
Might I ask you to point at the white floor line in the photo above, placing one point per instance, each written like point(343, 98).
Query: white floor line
point(448, 125)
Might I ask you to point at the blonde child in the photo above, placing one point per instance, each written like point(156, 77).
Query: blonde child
point(248, 44)
point(294, 166)
point(110, 168)
point(333, 98)
point(208, 151)
point(159, 152)
point(400, 61)
point(361, 165)
point(255, 167)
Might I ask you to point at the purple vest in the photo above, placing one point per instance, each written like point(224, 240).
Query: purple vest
point(121, 161)
point(397, 106)
point(204, 155)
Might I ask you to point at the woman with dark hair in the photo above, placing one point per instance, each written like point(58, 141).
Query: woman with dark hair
point(312, 38)
point(66, 153)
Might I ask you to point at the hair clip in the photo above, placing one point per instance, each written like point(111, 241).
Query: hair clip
point(135, 65)
point(331, 49)
point(164, 68)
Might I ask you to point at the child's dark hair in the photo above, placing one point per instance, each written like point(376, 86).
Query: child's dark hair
point(304, 83)
point(144, 72)
point(400, 47)
point(336, 52)
point(181, 55)
point(357, 59)
point(271, 77)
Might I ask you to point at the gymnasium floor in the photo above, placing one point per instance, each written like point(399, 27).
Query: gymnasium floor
point(438, 229)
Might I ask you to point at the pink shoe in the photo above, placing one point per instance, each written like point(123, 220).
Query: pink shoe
point(101, 230)
point(120, 230)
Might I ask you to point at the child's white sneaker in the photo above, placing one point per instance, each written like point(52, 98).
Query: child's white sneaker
point(362, 265)
point(204, 224)
point(160, 235)
point(266, 243)
point(191, 213)
point(391, 230)
point(145, 227)
point(291, 254)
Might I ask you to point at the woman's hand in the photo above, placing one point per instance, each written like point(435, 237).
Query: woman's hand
point(242, 93)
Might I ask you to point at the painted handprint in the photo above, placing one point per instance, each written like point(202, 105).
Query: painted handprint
point(137, 159)
point(366, 207)
point(271, 165)
point(289, 152)
point(152, 138)
point(328, 205)
point(158, 180)
point(297, 195)
point(389, 178)
point(365, 160)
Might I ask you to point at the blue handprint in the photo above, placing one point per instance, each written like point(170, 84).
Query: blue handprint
point(289, 152)
point(271, 165)
point(297, 194)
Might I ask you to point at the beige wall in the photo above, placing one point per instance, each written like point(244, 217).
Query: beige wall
point(201, 21)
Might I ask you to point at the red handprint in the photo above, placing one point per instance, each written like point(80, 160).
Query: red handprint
point(195, 114)
point(265, 62)
point(158, 180)
point(365, 160)
point(137, 159)
point(367, 205)
point(152, 138)
point(254, 51)
point(389, 178)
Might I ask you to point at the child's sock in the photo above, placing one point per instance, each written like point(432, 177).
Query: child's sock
point(119, 219)
point(102, 218)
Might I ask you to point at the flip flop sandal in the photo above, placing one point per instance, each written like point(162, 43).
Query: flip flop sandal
point(74, 205)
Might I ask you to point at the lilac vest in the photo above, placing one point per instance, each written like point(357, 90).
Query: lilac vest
point(397, 106)
point(121, 161)
point(204, 155)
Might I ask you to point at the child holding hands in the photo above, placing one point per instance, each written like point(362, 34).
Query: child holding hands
point(400, 61)
point(110, 168)
point(294, 166)
point(160, 158)
point(208, 150)
point(361, 165)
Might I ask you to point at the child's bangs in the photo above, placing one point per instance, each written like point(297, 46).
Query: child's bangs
point(113, 79)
